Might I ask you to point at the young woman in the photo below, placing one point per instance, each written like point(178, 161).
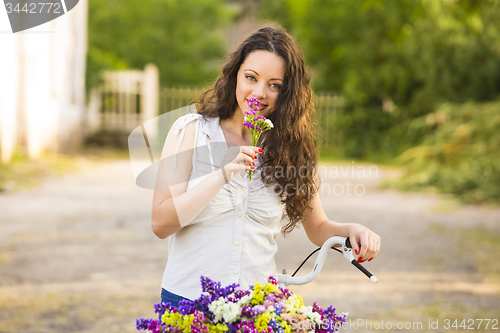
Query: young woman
point(220, 224)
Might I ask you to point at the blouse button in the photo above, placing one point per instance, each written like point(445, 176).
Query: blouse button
point(240, 214)
point(235, 271)
point(236, 243)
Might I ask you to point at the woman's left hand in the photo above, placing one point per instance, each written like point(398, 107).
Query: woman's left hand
point(365, 243)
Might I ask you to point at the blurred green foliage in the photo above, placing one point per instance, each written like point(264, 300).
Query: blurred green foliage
point(184, 38)
point(460, 153)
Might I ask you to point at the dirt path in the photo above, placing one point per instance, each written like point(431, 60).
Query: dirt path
point(77, 254)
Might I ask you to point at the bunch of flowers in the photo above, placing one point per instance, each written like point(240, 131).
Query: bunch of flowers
point(261, 309)
point(256, 124)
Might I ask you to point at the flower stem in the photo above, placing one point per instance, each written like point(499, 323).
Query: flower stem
point(255, 138)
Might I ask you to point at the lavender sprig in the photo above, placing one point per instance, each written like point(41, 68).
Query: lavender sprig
point(256, 124)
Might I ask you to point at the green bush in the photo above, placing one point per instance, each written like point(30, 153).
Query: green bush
point(460, 153)
point(184, 38)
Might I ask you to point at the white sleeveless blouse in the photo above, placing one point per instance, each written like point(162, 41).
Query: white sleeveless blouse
point(233, 240)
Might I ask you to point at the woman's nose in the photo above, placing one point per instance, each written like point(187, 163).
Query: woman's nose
point(260, 91)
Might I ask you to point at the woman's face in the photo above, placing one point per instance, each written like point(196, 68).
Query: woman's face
point(260, 76)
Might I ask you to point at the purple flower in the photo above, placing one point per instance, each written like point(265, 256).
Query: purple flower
point(142, 324)
point(209, 286)
point(329, 325)
point(203, 301)
point(252, 102)
point(272, 279)
point(160, 308)
point(152, 325)
point(224, 292)
point(330, 311)
point(240, 293)
point(258, 309)
point(199, 317)
point(195, 329)
point(316, 308)
point(186, 307)
point(232, 328)
point(273, 323)
point(246, 327)
point(246, 311)
point(277, 309)
point(286, 293)
point(215, 288)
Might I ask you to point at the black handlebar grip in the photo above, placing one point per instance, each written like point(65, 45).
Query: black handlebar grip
point(361, 268)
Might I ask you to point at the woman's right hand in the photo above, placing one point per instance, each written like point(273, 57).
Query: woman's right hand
point(237, 159)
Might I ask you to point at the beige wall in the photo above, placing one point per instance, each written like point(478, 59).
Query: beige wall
point(42, 85)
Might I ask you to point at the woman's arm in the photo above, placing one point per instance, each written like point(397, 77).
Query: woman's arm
point(319, 228)
point(173, 206)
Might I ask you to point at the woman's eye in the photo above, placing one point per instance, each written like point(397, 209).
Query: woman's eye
point(250, 77)
point(275, 86)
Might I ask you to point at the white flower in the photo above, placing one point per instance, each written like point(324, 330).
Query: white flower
point(229, 311)
point(308, 311)
point(216, 307)
point(245, 300)
point(292, 304)
point(269, 122)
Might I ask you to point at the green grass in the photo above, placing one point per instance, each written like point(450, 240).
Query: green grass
point(484, 246)
point(475, 246)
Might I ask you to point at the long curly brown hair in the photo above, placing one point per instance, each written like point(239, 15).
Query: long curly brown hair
point(290, 149)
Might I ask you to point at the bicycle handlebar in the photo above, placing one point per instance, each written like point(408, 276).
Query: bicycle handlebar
point(285, 280)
